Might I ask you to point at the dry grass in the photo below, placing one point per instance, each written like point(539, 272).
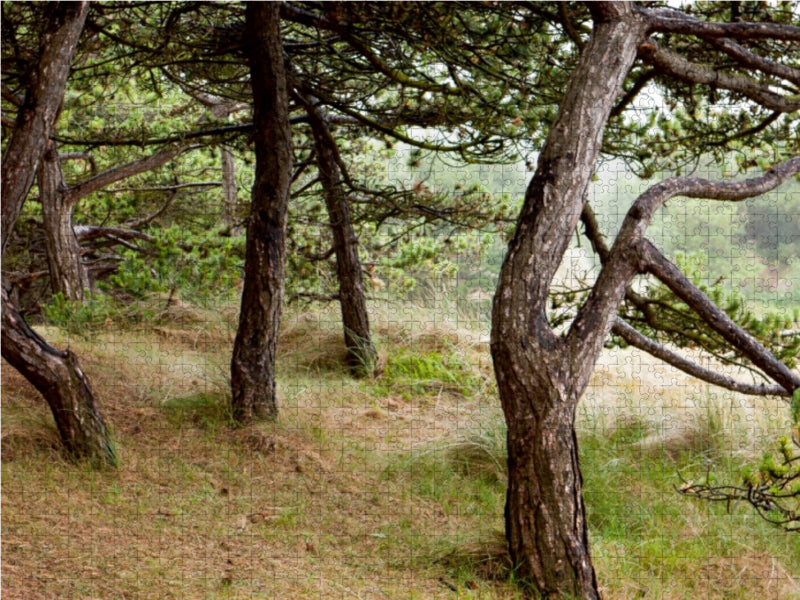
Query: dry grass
point(322, 504)
point(198, 509)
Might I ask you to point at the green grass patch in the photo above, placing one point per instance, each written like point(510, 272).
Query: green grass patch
point(430, 373)
point(210, 412)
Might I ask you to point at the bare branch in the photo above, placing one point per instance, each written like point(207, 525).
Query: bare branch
point(656, 263)
point(166, 188)
point(569, 29)
point(87, 233)
point(631, 254)
point(754, 61)
point(123, 171)
point(677, 66)
point(673, 21)
point(87, 156)
point(7, 120)
point(172, 139)
point(637, 340)
point(631, 94)
point(692, 187)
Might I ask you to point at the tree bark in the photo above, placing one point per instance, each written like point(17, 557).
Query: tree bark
point(229, 192)
point(68, 274)
point(362, 356)
point(39, 111)
point(65, 387)
point(253, 361)
point(55, 374)
point(539, 379)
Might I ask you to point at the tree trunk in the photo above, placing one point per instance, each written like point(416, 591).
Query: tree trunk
point(40, 109)
point(68, 274)
point(253, 362)
point(229, 191)
point(59, 378)
point(539, 380)
point(55, 374)
point(361, 353)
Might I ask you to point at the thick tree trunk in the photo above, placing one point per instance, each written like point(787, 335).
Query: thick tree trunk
point(253, 362)
point(361, 353)
point(539, 378)
point(59, 378)
point(68, 274)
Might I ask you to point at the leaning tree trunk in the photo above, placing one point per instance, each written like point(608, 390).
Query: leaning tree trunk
point(361, 353)
point(253, 362)
point(39, 109)
point(56, 375)
point(539, 380)
point(59, 378)
point(68, 274)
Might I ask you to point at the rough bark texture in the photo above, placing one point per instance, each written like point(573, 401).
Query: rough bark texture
point(539, 379)
point(68, 274)
point(229, 191)
point(39, 110)
point(55, 374)
point(59, 378)
point(253, 362)
point(361, 353)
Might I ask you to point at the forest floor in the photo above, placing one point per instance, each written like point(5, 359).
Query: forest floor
point(388, 487)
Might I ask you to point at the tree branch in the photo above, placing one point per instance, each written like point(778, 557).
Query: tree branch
point(136, 224)
point(632, 254)
point(677, 66)
point(87, 233)
point(167, 188)
point(135, 167)
point(656, 263)
point(693, 187)
point(631, 94)
point(12, 97)
point(638, 340)
point(674, 21)
point(754, 61)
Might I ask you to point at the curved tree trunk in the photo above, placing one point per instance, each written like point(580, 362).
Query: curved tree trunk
point(539, 377)
point(361, 353)
point(68, 274)
point(59, 378)
point(40, 109)
point(253, 362)
point(56, 375)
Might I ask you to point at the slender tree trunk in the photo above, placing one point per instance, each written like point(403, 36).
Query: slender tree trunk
point(539, 380)
point(253, 362)
point(361, 353)
point(40, 109)
point(229, 191)
point(68, 274)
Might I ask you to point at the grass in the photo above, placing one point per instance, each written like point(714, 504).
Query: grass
point(386, 487)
